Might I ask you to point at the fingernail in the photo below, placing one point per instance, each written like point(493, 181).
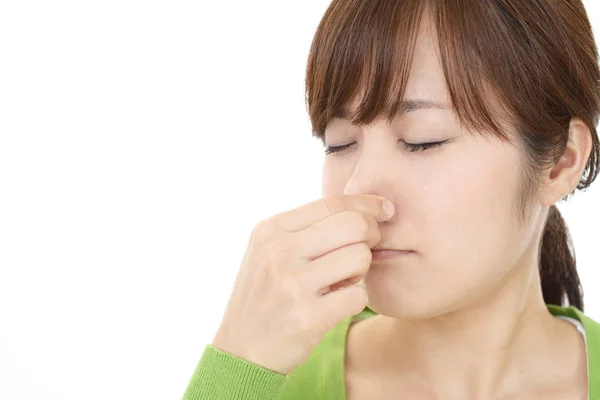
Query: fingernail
point(388, 208)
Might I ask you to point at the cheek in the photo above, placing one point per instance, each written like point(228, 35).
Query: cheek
point(333, 180)
point(328, 182)
point(468, 210)
point(466, 234)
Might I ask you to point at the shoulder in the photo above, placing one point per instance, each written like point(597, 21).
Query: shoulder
point(591, 326)
point(592, 334)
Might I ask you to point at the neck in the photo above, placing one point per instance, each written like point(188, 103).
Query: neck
point(479, 352)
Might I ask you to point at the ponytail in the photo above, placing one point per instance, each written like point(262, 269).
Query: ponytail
point(558, 270)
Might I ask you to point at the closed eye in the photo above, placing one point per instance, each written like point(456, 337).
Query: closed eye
point(335, 149)
point(412, 147)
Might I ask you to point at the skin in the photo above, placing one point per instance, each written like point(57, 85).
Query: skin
point(463, 316)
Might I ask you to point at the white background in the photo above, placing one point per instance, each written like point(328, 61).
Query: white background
point(140, 142)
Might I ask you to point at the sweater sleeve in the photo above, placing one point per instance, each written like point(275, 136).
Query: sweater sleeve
point(223, 376)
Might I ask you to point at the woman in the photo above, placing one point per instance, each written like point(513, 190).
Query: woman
point(473, 118)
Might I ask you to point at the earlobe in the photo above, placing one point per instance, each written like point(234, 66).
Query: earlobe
point(563, 178)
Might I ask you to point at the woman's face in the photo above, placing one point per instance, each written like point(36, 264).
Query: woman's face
point(454, 203)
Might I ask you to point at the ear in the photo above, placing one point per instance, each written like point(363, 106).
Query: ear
point(562, 179)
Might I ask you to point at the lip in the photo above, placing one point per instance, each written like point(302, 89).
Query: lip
point(384, 254)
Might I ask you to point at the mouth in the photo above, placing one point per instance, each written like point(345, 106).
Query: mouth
point(384, 254)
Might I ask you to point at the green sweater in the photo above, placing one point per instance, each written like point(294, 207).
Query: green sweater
point(222, 376)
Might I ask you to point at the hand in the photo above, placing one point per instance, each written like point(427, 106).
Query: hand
point(287, 291)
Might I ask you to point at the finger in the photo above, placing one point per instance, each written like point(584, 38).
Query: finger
point(311, 213)
point(338, 230)
point(348, 264)
point(340, 304)
point(340, 285)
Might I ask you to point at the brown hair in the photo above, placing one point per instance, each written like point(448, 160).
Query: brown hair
point(538, 57)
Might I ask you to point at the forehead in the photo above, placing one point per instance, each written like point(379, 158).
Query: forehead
point(406, 106)
point(423, 78)
point(426, 80)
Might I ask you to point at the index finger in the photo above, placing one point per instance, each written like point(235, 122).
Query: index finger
point(313, 212)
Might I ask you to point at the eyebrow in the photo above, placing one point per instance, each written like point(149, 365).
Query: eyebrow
point(405, 107)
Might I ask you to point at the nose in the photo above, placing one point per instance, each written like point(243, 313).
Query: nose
point(373, 172)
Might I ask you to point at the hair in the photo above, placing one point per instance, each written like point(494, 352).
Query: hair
point(538, 58)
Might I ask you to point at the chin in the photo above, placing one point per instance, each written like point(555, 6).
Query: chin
point(408, 310)
point(405, 300)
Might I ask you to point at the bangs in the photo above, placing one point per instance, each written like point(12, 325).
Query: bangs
point(367, 47)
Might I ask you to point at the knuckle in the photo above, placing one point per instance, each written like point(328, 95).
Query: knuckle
point(360, 223)
point(335, 203)
point(362, 299)
point(266, 229)
point(277, 253)
point(376, 235)
point(261, 232)
point(363, 254)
